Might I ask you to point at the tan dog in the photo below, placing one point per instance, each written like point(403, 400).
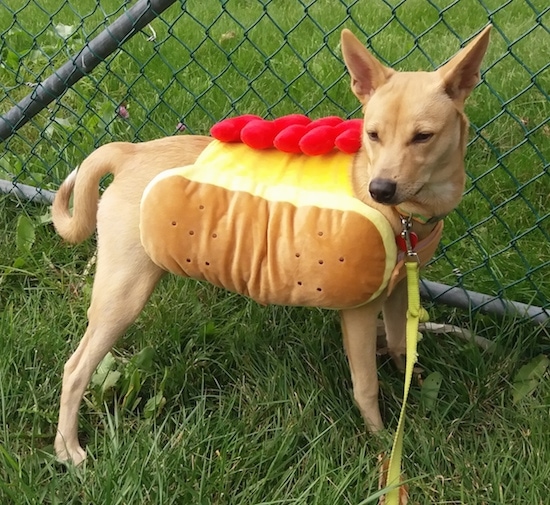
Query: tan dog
point(414, 141)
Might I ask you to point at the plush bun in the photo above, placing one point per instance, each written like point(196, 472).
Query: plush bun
point(278, 228)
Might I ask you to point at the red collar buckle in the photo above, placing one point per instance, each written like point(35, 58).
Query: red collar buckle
point(408, 239)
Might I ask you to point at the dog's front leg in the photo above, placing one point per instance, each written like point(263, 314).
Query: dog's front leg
point(359, 331)
point(395, 322)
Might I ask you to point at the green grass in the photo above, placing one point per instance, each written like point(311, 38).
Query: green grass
point(258, 400)
point(258, 405)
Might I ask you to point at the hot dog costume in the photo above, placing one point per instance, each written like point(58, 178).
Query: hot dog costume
point(268, 211)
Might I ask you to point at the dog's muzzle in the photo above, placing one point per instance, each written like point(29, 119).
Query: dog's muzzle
point(382, 190)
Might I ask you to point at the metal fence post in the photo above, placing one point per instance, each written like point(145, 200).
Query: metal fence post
point(93, 53)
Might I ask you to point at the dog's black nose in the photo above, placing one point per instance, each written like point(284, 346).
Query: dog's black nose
point(382, 190)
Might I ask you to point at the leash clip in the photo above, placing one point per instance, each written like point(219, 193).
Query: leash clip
point(406, 225)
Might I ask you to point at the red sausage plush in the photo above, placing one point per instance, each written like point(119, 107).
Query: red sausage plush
point(294, 133)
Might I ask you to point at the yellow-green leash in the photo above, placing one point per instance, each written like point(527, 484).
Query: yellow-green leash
point(415, 313)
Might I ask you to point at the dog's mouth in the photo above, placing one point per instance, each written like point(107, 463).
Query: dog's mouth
point(419, 190)
point(388, 192)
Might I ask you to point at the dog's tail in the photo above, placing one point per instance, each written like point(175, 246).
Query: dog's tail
point(83, 184)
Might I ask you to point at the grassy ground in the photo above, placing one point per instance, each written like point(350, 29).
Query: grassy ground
point(238, 404)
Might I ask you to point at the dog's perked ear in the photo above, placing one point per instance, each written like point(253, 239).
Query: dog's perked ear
point(462, 72)
point(366, 72)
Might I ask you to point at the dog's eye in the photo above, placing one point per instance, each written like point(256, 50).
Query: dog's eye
point(422, 137)
point(373, 136)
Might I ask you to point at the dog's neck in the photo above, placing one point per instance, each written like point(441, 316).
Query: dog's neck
point(419, 218)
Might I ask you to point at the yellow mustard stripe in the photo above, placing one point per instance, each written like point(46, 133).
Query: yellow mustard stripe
point(272, 168)
point(318, 181)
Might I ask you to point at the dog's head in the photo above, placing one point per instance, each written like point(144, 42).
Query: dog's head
point(415, 130)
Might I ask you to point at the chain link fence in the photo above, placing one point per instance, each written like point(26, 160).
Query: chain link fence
point(198, 62)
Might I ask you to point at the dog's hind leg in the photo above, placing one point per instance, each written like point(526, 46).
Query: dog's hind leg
point(123, 283)
point(359, 331)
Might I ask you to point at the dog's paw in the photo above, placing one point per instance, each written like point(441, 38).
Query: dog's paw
point(75, 455)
